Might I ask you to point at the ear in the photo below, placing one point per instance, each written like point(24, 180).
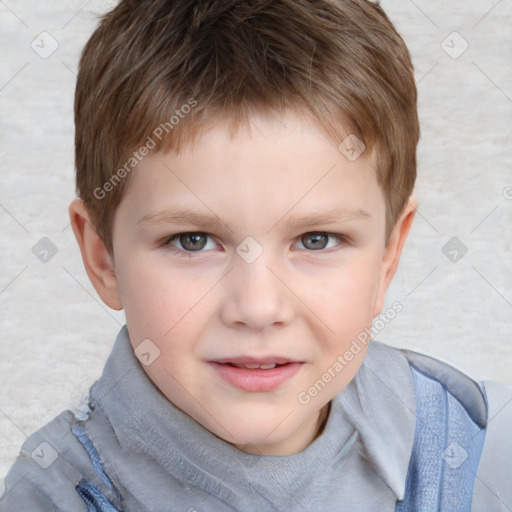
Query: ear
point(393, 251)
point(97, 261)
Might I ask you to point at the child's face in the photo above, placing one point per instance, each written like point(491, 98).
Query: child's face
point(227, 302)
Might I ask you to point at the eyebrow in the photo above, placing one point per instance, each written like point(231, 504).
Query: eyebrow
point(329, 217)
point(215, 222)
point(182, 217)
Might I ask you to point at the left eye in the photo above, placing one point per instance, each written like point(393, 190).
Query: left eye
point(191, 242)
point(319, 240)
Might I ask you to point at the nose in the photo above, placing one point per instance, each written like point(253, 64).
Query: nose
point(256, 295)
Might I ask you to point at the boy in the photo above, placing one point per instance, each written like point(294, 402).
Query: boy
point(282, 135)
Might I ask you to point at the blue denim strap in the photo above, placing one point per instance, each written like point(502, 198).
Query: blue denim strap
point(446, 452)
point(95, 500)
point(84, 440)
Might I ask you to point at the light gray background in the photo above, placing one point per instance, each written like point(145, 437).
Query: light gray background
point(56, 333)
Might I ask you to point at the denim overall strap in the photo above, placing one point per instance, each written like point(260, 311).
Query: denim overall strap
point(446, 451)
point(93, 497)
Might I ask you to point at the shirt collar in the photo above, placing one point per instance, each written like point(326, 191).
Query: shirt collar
point(381, 404)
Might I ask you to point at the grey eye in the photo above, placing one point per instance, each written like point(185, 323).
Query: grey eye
point(315, 241)
point(193, 241)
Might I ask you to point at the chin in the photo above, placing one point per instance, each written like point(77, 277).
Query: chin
point(262, 445)
point(254, 433)
point(265, 433)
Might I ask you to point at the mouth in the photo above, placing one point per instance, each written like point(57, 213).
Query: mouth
point(252, 366)
point(256, 375)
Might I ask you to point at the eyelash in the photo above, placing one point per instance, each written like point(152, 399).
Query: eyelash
point(183, 252)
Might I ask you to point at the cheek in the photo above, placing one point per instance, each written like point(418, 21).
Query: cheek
point(345, 309)
point(344, 299)
point(159, 304)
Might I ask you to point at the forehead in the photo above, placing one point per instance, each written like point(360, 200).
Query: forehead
point(271, 167)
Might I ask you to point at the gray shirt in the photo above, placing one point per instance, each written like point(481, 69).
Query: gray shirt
point(160, 459)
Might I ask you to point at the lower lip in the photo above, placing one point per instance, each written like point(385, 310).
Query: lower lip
point(257, 379)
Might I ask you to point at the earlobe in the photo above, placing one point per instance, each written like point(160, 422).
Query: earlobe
point(393, 251)
point(97, 261)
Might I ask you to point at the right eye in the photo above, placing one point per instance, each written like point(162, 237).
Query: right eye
point(190, 242)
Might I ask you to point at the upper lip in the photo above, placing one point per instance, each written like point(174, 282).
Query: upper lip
point(255, 360)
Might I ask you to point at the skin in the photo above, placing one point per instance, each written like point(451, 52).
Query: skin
point(294, 300)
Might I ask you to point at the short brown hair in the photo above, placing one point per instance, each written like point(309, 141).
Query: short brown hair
point(340, 60)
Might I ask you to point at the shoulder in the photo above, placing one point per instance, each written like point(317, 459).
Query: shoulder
point(469, 392)
point(46, 467)
point(51, 464)
point(489, 405)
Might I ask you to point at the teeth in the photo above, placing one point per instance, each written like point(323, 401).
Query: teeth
point(257, 366)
